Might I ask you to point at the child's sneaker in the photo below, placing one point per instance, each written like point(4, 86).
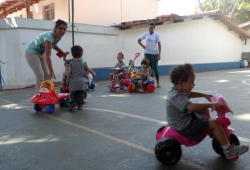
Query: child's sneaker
point(117, 85)
point(141, 90)
point(235, 150)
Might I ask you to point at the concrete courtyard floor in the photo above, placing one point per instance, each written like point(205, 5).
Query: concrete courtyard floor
point(114, 131)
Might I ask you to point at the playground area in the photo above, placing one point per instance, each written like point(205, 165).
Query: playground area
point(115, 130)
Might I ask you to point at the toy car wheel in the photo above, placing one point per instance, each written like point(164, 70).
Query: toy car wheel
point(159, 130)
point(37, 108)
point(62, 102)
point(168, 151)
point(50, 108)
point(122, 86)
point(92, 86)
point(112, 87)
point(130, 88)
point(217, 146)
point(151, 88)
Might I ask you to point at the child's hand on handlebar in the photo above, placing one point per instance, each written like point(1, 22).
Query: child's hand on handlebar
point(215, 105)
point(208, 97)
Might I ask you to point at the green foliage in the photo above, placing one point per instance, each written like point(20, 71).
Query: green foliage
point(237, 10)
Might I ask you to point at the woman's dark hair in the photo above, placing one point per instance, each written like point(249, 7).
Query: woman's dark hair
point(76, 51)
point(120, 53)
point(152, 24)
point(59, 22)
point(144, 61)
point(181, 73)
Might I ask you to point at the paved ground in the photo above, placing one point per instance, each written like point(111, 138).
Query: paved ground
point(115, 131)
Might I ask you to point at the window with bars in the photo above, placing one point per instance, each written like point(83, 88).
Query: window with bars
point(49, 12)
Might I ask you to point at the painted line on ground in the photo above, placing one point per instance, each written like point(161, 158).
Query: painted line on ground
point(133, 145)
point(127, 114)
point(245, 81)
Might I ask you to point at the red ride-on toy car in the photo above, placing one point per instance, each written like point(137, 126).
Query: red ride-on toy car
point(47, 98)
point(134, 86)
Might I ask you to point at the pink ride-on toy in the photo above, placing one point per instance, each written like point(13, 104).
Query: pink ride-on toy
point(125, 80)
point(168, 147)
point(47, 98)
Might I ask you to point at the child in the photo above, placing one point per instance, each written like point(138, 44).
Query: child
point(119, 69)
point(131, 64)
point(90, 77)
point(144, 73)
point(77, 75)
point(65, 73)
point(150, 70)
point(188, 118)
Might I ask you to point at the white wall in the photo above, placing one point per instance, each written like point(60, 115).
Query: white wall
point(97, 12)
point(246, 46)
point(200, 41)
point(102, 12)
point(61, 10)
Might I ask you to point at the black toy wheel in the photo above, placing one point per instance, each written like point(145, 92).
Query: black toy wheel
point(217, 146)
point(37, 108)
point(159, 130)
point(168, 151)
point(62, 102)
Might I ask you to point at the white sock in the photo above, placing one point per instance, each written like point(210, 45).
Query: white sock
point(226, 147)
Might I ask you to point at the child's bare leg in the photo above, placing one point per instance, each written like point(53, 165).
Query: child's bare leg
point(218, 131)
point(117, 79)
point(140, 84)
point(111, 76)
point(229, 150)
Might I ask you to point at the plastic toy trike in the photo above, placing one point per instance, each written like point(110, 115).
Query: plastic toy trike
point(47, 98)
point(125, 80)
point(89, 85)
point(134, 86)
point(168, 147)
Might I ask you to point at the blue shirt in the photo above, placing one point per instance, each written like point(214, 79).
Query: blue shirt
point(37, 46)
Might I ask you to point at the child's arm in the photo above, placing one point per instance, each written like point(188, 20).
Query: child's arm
point(64, 57)
point(202, 106)
point(68, 75)
point(91, 71)
point(196, 94)
point(145, 74)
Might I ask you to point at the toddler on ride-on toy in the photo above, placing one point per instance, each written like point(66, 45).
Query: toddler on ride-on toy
point(118, 70)
point(188, 124)
point(141, 80)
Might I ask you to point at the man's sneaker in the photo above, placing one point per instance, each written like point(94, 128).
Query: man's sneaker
point(117, 85)
point(235, 150)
